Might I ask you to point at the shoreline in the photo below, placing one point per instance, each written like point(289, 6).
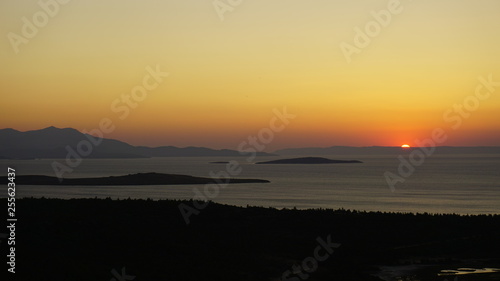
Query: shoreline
point(126, 180)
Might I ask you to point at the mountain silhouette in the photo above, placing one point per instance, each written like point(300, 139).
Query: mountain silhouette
point(54, 142)
point(384, 150)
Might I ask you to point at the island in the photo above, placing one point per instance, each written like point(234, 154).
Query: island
point(131, 179)
point(309, 160)
point(220, 162)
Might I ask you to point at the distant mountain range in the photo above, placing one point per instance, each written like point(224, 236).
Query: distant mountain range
point(384, 150)
point(52, 142)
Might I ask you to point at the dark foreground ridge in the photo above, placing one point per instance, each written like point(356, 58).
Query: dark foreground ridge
point(135, 179)
point(85, 239)
point(308, 160)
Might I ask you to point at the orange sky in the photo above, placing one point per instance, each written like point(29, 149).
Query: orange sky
point(226, 77)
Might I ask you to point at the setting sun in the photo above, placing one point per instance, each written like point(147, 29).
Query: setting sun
point(405, 146)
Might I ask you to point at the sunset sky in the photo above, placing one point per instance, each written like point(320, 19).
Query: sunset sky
point(226, 76)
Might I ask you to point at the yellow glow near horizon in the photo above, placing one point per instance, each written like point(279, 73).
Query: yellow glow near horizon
point(405, 146)
point(226, 77)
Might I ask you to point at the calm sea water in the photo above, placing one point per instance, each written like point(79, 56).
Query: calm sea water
point(465, 184)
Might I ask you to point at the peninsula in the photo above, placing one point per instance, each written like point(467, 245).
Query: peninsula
point(131, 179)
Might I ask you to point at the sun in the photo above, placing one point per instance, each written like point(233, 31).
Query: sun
point(405, 146)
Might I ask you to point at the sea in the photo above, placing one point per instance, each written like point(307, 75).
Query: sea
point(460, 184)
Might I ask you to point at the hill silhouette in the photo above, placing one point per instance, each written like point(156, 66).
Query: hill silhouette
point(53, 142)
point(384, 150)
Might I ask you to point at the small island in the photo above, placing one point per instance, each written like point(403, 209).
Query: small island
point(131, 179)
point(309, 160)
point(220, 162)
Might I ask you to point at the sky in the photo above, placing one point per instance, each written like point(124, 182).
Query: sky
point(232, 64)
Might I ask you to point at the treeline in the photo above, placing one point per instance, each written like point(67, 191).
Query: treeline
point(85, 239)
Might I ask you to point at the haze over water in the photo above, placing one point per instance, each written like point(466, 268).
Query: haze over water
point(464, 184)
